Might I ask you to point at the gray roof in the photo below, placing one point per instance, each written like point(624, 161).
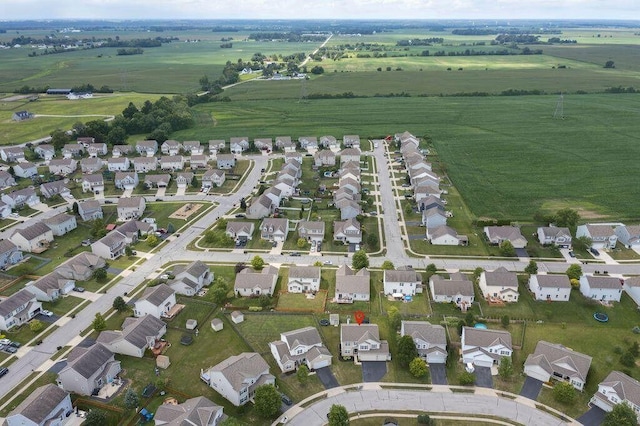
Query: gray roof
point(485, 338)
point(225, 157)
point(93, 178)
point(54, 187)
point(349, 282)
point(596, 230)
point(401, 276)
point(278, 224)
point(248, 278)
point(235, 227)
point(50, 282)
point(557, 281)
point(135, 331)
point(359, 333)
point(503, 232)
point(442, 230)
point(431, 333)
point(89, 205)
point(555, 231)
point(451, 287)
point(7, 246)
point(238, 368)
point(13, 302)
point(58, 219)
point(157, 295)
point(560, 359)
point(630, 282)
point(41, 403)
point(304, 272)
point(87, 361)
point(195, 269)
point(32, 231)
point(80, 263)
point(171, 158)
point(603, 282)
point(117, 160)
point(198, 411)
point(307, 336)
point(25, 192)
point(165, 177)
point(626, 387)
point(501, 278)
point(143, 160)
point(129, 202)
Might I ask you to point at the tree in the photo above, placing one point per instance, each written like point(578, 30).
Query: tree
point(627, 359)
point(476, 273)
point(95, 418)
point(395, 320)
point(338, 415)
point(302, 374)
point(243, 204)
point(100, 275)
point(360, 260)
point(566, 217)
point(609, 64)
point(582, 243)
point(317, 263)
point(424, 419)
point(317, 70)
point(564, 392)
point(75, 209)
point(219, 295)
point(418, 367)
point(119, 304)
point(574, 271)
point(575, 283)
point(152, 240)
point(406, 350)
point(387, 265)
point(301, 243)
point(431, 270)
point(470, 319)
point(99, 322)
point(131, 399)
point(36, 325)
point(372, 240)
point(466, 378)
point(267, 401)
point(507, 249)
point(505, 321)
point(531, 268)
point(257, 263)
point(621, 415)
point(58, 139)
point(128, 251)
point(194, 182)
point(170, 228)
point(98, 229)
point(505, 369)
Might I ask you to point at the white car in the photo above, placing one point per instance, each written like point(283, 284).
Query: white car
point(328, 262)
point(46, 313)
point(5, 341)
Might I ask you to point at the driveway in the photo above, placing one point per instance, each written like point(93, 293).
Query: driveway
point(483, 377)
point(593, 417)
point(438, 374)
point(327, 378)
point(522, 253)
point(373, 371)
point(531, 388)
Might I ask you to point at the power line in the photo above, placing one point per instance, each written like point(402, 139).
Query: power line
point(559, 113)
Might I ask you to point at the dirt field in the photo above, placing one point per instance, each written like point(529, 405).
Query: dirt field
point(185, 211)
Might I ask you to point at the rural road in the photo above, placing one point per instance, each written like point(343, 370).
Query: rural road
point(108, 117)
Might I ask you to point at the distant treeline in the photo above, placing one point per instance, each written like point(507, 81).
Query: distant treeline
point(620, 89)
point(473, 52)
point(286, 36)
point(131, 51)
point(495, 31)
point(86, 87)
point(420, 41)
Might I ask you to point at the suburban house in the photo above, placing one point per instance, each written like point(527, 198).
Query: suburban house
point(311, 231)
point(457, 289)
point(301, 346)
point(9, 254)
point(352, 286)
point(193, 147)
point(6, 179)
point(18, 309)
point(362, 341)
point(237, 377)
point(263, 144)
point(90, 210)
point(184, 179)
point(554, 361)
point(5, 210)
point(81, 266)
point(172, 162)
point(170, 147)
point(350, 154)
point(57, 187)
point(120, 150)
point(351, 141)
point(157, 181)
point(21, 197)
point(349, 209)
point(238, 145)
point(261, 207)
point(255, 283)
point(190, 279)
point(25, 170)
point(130, 208)
point(629, 235)
point(603, 288)
point(499, 284)
point(430, 340)
point(217, 145)
point(225, 161)
point(91, 165)
point(145, 164)
point(12, 154)
point(347, 231)
point(484, 348)
point(111, 246)
point(126, 180)
point(97, 149)
point(446, 236)
point(554, 235)
point(198, 161)
point(308, 142)
point(47, 405)
point(324, 158)
point(45, 151)
point(617, 388)
point(303, 279)
point(71, 150)
point(86, 141)
point(88, 370)
point(93, 183)
point(137, 335)
point(274, 229)
point(34, 238)
point(61, 223)
point(434, 218)
point(498, 234)
point(240, 231)
point(213, 178)
point(156, 301)
point(555, 288)
point(293, 155)
point(147, 148)
point(402, 282)
point(602, 236)
point(198, 411)
point(631, 286)
point(118, 164)
point(284, 142)
point(50, 287)
point(328, 141)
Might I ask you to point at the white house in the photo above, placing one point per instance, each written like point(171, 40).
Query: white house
point(97, 149)
point(352, 286)
point(554, 361)
point(484, 348)
point(6, 179)
point(274, 229)
point(172, 162)
point(362, 341)
point(58, 187)
point(430, 340)
point(213, 178)
point(126, 180)
point(405, 282)
point(434, 217)
point(603, 288)
point(301, 346)
point(147, 148)
point(193, 147)
point(21, 197)
point(198, 161)
point(554, 235)
point(499, 284)
point(61, 223)
point(145, 164)
point(170, 147)
point(240, 231)
point(446, 236)
point(130, 208)
point(225, 161)
point(238, 145)
point(120, 150)
point(12, 154)
point(158, 301)
point(191, 278)
point(250, 283)
point(25, 170)
point(47, 405)
point(45, 151)
point(457, 289)
point(617, 388)
point(91, 165)
point(35, 238)
point(88, 369)
point(118, 164)
point(555, 288)
point(602, 236)
point(348, 231)
point(18, 309)
point(71, 150)
point(631, 287)
point(111, 246)
point(90, 210)
point(303, 279)
point(629, 235)
point(184, 179)
point(9, 254)
point(137, 335)
point(93, 183)
point(311, 231)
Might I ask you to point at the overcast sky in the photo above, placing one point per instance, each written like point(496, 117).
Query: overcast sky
point(331, 9)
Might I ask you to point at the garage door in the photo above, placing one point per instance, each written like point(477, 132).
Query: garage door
point(321, 363)
point(537, 373)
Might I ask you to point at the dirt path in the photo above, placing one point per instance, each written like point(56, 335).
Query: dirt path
point(108, 117)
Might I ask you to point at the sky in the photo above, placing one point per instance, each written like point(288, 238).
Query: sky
point(319, 9)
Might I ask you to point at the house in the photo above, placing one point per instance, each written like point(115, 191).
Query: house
point(348, 231)
point(145, 164)
point(225, 161)
point(90, 165)
point(631, 286)
point(254, 283)
point(157, 181)
point(457, 290)
point(603, 288)
point(324, 158)
point(602, 236)
point(349, 210)
point(554, 361)
point(499, 284)
point(628, 235)
point(12, 154)
point(6, 180)
point(71, 150)
point(198, 411)
point(130, 208)
point(184, 179)
point(21, 197)
point(349, 154)
point(45, 151)
point(328, 141)
point(61, 223)
point(311, 230)
point(190, 279)
point(213, 178)
point(286, 185)
point(85, 141)
point(550, 287)
point(238, 145)
point(81, 266)
point(554, 235)
point(18, 309)
point(9, 254)
point(350, 184)
point(216, 145)
point(284, 143)
point(240, 231)
point(121, 150)
point(25, 170)
point(293, 156)
point(434, 218)
point(93, 183)
point(352, 286)
point(405, 138)
point(308, 142)
point(274, 194)
point(126, 180)
point(133, 229)
point(362, 341)
point(497, 234)
point(274, 229)
point(57, 187)
point(303, 279)
point(237, 377)
point(88, 370)
point(50, 287)
point(172, 162)
point(263, 144)
point(430, 340)
point(147, 148)
point(90, 210)
point(198, 161)
point(47, 405)
point(484, 348)
point(429, 202)
point(170, 147)
point(97, 149)
point(298, 347)
point(446, 236)
point(351, 141)
point(118, 164)
point(156, 301)
point(137, 335)
point(34, 238)
point(21, 116)
point(261, 207)
point(5, 210)
point(405, 282)
point(617, 388)
point(193, 147)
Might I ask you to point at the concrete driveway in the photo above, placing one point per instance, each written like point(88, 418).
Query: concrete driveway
point(373, 371)
point(531, 388)
point(327, 378)
point(593, 417)
point(438, 374)
point(483, 377)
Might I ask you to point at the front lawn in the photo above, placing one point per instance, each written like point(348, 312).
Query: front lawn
point(301, 302)
point(63, 305)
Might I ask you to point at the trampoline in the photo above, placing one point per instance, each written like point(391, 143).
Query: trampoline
point(601, 317)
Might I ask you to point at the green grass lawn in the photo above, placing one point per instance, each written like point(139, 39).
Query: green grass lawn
point(300, 302)
point(63, 305)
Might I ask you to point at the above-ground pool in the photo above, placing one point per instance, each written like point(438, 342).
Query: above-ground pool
point(602, 317)
point(480, 325)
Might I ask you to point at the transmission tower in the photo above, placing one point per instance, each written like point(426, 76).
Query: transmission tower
point(303, 91)
point(559, 113)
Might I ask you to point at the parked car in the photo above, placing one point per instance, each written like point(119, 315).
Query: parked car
point(286, 399)
point(3, 371)
point(10, 349)
point(241, 215)
point(327, 262)
point(15, 344)
point(46, 313)
point(4, 341)
point(595, 252)
point(295, 253)
point(572, 254)
point(79, 289)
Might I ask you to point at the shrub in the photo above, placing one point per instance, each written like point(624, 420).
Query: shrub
point(467, 379)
